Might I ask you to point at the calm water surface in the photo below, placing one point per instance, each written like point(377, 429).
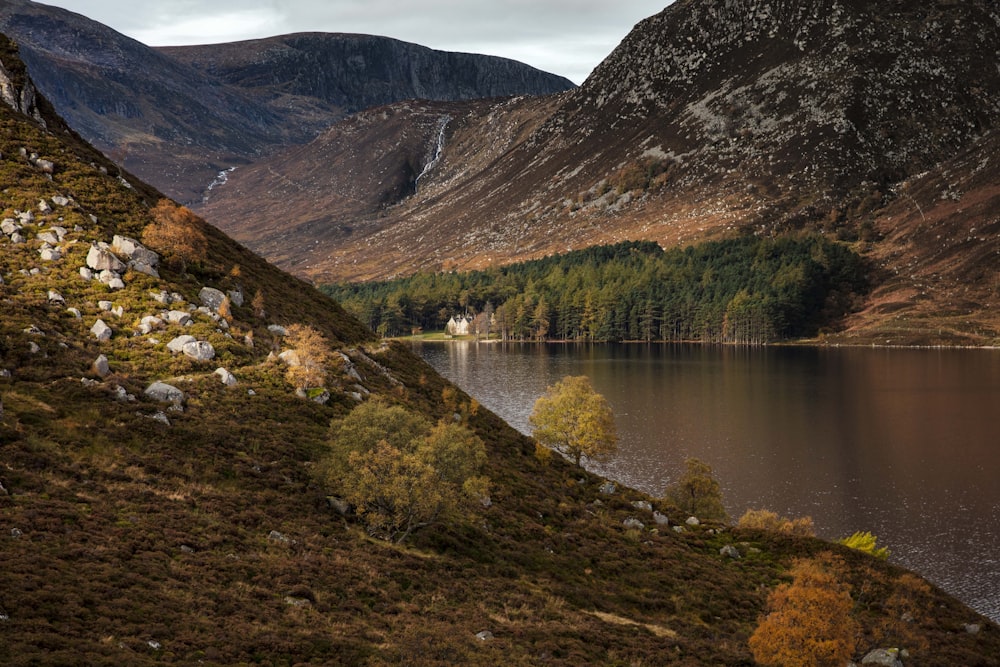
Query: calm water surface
point(904, 443)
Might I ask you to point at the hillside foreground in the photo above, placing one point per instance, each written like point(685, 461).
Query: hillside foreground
point(135, 530)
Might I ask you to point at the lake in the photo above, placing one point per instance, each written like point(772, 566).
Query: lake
point(903, 443)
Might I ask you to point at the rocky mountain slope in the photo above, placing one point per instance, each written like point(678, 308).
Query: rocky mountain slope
point(158, 496)
point(713, 117)
point(178, 117)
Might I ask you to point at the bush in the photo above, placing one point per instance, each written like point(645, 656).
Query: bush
point(697, 492)
point(399, 472)
point(771, 522)
point(865, 541)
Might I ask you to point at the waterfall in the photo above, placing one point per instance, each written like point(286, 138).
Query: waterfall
point(438, 149)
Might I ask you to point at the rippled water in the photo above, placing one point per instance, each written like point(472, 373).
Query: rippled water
point(904, 443)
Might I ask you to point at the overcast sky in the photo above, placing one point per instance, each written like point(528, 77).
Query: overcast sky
point(567, 37)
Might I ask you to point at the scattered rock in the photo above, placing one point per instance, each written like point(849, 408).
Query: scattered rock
point(15, 533)
point(296, 602)
point(199, 350)
point(59, 200)
point(227, 378)
point(730, 552)
point(290, 357)
point(101, 259)
point(277, 330)
point(86, 273)
point(123, 396)
point(633, 524)
point(100, 366)
point(484, 636)
point(105, 305)
point(678, 529)
point(642, 505)
point(50, 254)
point(179, 317)
point(884, 657)
point(177, 344)
point(56, 297)
point(661, 519)
point(166, 393)
point(160, 417)
point(211, 298)
point(149, 324)
point(275, 536)
point(45, 166)
point(608, 488)
point(101, 331)
point(973, 628)
point(693, 521)
point(236, 297)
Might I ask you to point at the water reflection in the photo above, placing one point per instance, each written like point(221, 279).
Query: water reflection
point(903, 443)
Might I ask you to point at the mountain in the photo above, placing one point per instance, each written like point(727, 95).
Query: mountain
point(178, 117)
point(711, 118)
point(146, 525)
point(355, 72)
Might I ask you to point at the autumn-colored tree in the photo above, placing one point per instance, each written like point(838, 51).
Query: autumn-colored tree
point(771, 522)
point(809, 622)
point(398, 471)
point(311, 356)
point(697, 492)
point(575, 420)
point(176, 233)
point(865, 541)
point(258, 305)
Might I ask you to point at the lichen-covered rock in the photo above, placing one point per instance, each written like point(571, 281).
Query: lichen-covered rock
point(101, 330)
point(199, 350)
point(179, 317)
point(177, 344)
point(102, 259)
point(166, 393)
point(211, 298)
point(226, 377)
point(101, 367)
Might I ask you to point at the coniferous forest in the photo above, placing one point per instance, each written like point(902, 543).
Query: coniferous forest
point(746, 290)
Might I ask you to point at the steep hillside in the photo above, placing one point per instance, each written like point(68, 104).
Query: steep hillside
point(711, 118)
point(178, 117)
point(143, 525)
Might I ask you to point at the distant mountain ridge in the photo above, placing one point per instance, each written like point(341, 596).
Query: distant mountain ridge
point(713, 117)
point(177, 123)
point(355, 72)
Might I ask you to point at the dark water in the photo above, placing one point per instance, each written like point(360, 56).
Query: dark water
point(903, 443)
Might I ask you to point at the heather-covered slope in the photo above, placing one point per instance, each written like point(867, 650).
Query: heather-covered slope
point(192, 531)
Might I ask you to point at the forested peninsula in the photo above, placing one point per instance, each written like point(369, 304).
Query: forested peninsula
point(746, 290)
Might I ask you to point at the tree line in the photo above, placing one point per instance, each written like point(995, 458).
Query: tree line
point(747, 290)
